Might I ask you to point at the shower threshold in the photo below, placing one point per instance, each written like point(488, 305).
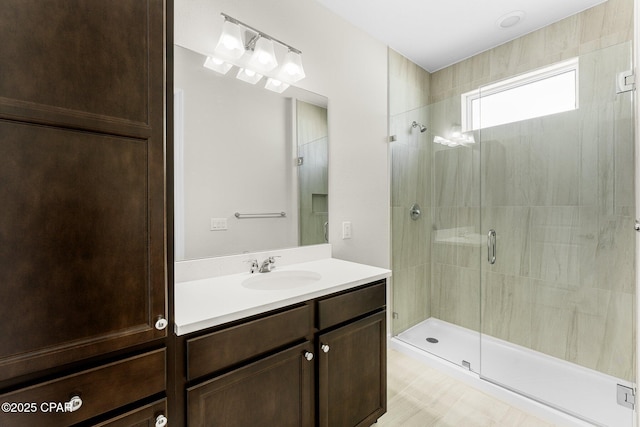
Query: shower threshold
point(553, 389)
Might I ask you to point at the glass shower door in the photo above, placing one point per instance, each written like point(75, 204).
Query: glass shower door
point(436, 253)
point(558, 277)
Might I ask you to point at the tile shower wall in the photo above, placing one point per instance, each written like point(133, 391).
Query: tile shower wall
point(313, 177)
point(559, 191)
point(410, 183)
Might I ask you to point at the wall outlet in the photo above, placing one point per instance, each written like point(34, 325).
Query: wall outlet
point(218, 224)
point(346, 230)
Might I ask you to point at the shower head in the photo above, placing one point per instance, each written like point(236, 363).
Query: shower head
point(422, 128)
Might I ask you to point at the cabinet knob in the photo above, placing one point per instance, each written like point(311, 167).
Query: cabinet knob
point(308, 355)
point(161, 421)
point(74, 403)
point(325, 348)
point(161, 323)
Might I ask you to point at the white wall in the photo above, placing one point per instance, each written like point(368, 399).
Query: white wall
point(350, 68)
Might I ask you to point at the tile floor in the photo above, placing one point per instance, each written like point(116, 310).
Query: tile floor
point(419, 396)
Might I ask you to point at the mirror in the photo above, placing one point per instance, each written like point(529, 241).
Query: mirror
point(250, 164)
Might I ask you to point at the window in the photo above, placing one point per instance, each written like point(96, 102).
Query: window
point(539, 93)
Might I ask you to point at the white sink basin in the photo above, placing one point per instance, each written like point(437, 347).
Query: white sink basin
point(275, 280)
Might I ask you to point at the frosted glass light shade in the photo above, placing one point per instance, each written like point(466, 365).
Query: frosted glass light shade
point(216, 64)
point(276, 85)
point(264, 58)
point(230, 44)
point(248, 76)
point(292, 70)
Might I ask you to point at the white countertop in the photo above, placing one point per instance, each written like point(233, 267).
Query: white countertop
point(201, 304)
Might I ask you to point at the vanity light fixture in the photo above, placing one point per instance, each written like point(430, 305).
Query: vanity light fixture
point(256, 58)
point(217, 64)
point(248, 75)
point(230, 43)
point(292, 70)
point(276, 85)
point(264, 58)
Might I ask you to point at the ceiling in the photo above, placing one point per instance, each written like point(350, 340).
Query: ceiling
point(437, 33)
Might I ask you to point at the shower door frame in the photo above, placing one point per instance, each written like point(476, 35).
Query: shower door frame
point(635, 56)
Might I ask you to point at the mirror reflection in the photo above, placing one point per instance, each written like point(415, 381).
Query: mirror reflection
point(251, 164)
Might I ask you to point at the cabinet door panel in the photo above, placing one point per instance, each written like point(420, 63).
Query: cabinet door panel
point(74, 263)
point(82, 224)
point(90, 57)
point(275, 391)
point(352, 374)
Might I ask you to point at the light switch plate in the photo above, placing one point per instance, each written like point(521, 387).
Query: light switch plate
point(346, 230)
point(218, 224)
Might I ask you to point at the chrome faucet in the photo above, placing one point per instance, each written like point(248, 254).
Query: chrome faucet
point(268, 264)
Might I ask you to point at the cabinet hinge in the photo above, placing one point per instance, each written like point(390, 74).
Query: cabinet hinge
point(626, 396)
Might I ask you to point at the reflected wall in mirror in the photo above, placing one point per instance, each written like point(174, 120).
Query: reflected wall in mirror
point(242, 148)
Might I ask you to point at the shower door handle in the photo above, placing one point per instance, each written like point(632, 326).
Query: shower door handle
point(491, 246)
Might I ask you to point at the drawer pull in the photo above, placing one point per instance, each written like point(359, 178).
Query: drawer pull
point(161, 421)
point(308, 355)
point(325, 348)
point(74, 403)
point(161, 323)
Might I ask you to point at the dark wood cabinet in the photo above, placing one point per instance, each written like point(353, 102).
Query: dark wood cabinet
point(352, 373)
point(274, 391)
point(83, 251)
point(321, 363)
point(230, 346)
point(151, 415)
point(97, 391)
point(81, 179)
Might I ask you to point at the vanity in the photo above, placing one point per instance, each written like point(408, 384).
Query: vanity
point(269, 337)
point(303, 345)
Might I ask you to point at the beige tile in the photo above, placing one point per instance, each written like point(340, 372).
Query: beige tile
point(408, 84)
point(411, 161)
point(515, 417)
point(506, 308)
point(505, 170)
point(410, 242)
point(411, 296)
point(421, 396)
point(616, 354)
point(513, 245)
point(455, 295)
point(614, 255)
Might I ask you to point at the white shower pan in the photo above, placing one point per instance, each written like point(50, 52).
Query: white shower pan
point(554, 389)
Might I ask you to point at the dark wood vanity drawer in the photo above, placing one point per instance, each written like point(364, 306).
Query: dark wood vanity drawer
point(145, 416)
point(224, 348)
point(101, 390)
point(346, 306)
